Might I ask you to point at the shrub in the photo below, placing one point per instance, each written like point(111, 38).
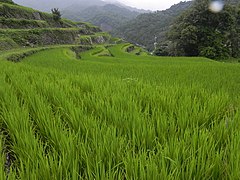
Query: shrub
point(7, 1)
point(56, 14)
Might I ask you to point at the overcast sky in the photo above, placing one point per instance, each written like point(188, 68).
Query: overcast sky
point(150, 4)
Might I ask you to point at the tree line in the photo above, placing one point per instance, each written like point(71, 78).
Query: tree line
point(143, 29)
point(201, 32)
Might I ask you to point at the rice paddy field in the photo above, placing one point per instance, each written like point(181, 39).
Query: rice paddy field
point(109, 114)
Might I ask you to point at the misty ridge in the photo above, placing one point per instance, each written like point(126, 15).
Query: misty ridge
point(140, 27)
point(46, 5)
point(108, 15)
point(134, 25)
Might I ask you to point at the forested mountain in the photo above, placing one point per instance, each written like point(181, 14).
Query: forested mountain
point(108, 16)
point(143, 29)
point(105, 14)
point(73, 9)
point(203, 32)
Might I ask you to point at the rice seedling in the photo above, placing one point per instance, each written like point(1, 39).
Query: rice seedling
point(119, 117)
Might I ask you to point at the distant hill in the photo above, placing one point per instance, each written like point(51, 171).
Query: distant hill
point(105, 14)
point(46, 5)
point(132, 8)
point(143, 29)
point(74, 8)
point(108, 16)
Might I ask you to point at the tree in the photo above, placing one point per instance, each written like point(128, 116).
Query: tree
point(7, 1)
point(56, 14)
point(202, 32)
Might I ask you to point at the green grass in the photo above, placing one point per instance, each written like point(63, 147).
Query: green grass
point(52, 36)
point(42, 36)
point(22, 23)
point(13, 11)
point(25, 27)
point(119, 117)
point(19, 17)
point(7, 43)
point(38, 30)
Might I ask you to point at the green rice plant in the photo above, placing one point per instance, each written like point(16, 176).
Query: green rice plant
point(2, 159)
point(124, 116)
point(18, 126)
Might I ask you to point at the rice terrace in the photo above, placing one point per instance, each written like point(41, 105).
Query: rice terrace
point(92, 106)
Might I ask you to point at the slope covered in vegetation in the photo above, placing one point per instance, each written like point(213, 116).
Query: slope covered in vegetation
point(202, 32)
point(105, 14)
point(143, 29)
point(21, 26)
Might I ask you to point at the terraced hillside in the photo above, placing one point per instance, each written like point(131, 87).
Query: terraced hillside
point(25, 27)
point(114, 112)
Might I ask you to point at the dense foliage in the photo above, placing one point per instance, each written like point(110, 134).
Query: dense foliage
point(7, 1)
point(56, 14)
point(200, 32)
point(143, 29)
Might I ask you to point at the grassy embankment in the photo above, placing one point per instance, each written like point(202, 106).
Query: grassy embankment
point(114, 115)
point(25, 27)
